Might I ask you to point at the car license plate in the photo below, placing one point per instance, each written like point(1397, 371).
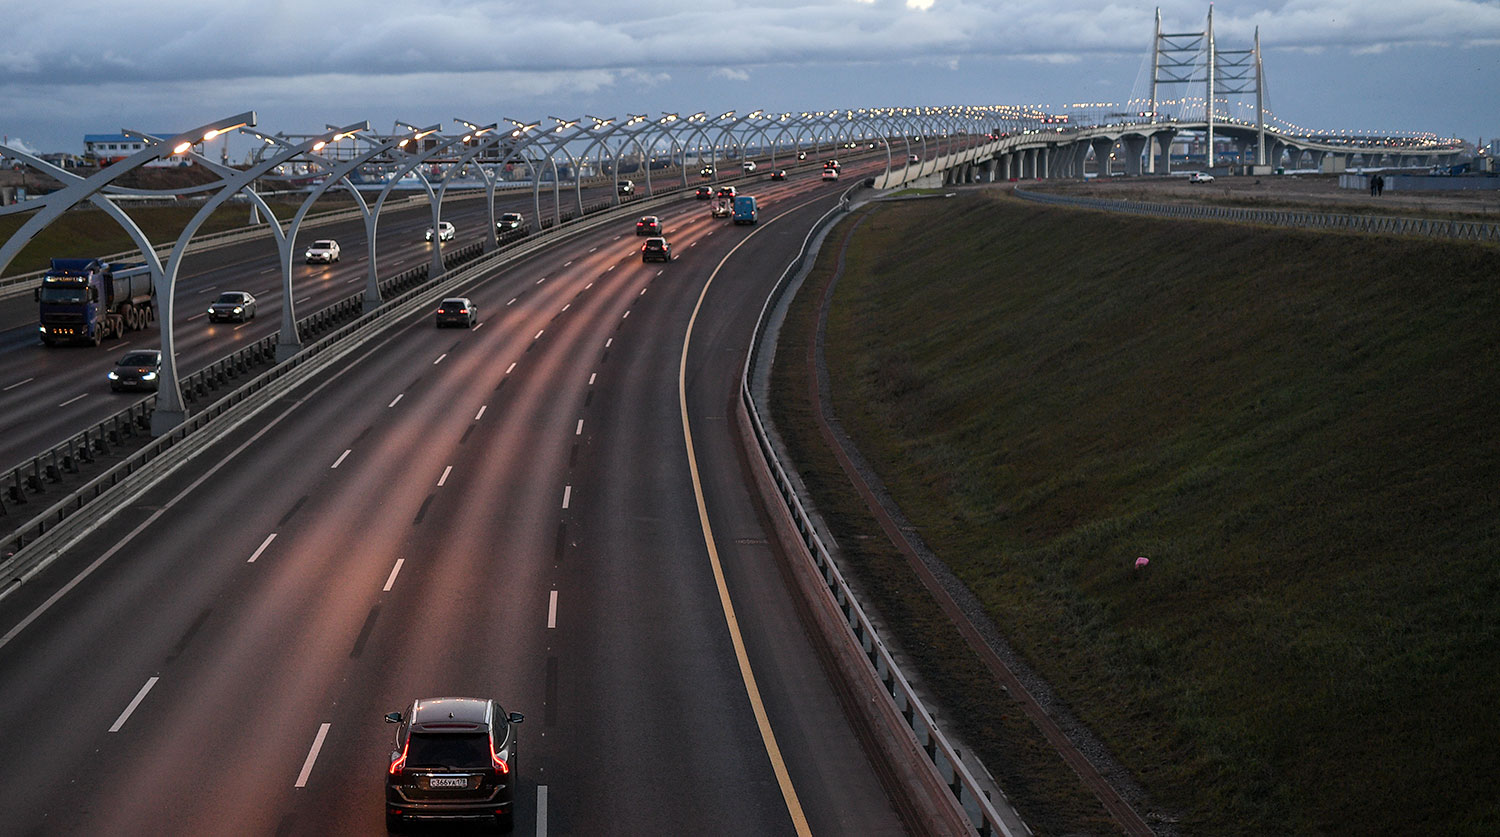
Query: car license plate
point(448, 782)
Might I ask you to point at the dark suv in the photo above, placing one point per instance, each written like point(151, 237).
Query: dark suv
point(656, 250)
point(454, 759)
point(457, 311)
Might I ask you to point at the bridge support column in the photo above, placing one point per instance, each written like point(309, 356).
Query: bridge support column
point(1078, 153)
point(1102, 150)
point(1162, 140)
point(1134, 147)
point(1277, 149)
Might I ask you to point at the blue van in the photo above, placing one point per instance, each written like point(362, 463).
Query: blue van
point(744, 209)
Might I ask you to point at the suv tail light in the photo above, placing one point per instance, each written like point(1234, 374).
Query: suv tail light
point(499, 764)
point(399, 764)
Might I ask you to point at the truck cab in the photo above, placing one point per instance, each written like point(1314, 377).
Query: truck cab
point(87, 300)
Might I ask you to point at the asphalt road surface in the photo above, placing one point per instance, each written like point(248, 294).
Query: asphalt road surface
point(504, 512)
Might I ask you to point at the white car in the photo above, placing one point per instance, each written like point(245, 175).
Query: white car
point(445, 232)
point(748, 166)
point(627, 187)
point(325, 251)
point(830, 174)
point(1200, 177)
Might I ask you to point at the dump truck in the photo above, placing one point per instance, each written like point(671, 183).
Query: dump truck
point(88, 300)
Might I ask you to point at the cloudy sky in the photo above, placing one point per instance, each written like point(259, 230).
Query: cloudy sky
point(71, 67)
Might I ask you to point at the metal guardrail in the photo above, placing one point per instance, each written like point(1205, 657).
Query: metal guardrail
point(1377, 224)
point(19, 558)
point(961, 781)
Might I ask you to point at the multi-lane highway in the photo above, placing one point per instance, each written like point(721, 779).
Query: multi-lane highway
point(48, 394)
point(506, 511)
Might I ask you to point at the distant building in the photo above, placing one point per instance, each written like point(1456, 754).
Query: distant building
point(112, 148)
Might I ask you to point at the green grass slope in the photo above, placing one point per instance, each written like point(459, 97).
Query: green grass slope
point(1299, 430)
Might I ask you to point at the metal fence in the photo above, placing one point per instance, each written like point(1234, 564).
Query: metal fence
point(1378, 224)
point(966, 788)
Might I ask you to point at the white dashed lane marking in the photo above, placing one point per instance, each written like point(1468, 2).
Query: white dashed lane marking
point(262, 548)
point(139, 696)
point(312, 756)
point(340, 460)
point(391, 579)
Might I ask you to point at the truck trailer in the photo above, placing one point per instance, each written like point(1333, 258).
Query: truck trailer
point(87, 300)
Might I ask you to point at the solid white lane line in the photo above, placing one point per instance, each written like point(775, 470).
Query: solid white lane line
point(262, 548)
point(439, 359)
point(552, 610)
point(312, 756)
point(592, 376)
point(74, 398)
point(444, 478)
point(338, 461)
point(567, 495)
point(541, 811)
point(16, 384)
point(482, 408)
point(539, 334)
point(392, 579)
point(579, 430)
point(139, 696)
point(511, 369)
point(608, 341)
point(396, 401)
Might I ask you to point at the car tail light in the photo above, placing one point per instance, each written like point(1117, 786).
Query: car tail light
point(399, 764)
point(500, 765)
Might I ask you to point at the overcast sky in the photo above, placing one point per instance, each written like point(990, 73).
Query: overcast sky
point(71, 67)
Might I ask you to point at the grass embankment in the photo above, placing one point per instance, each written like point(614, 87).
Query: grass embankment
point(1296, 428)
point(88, 232)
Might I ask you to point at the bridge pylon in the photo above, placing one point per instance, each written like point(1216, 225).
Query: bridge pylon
point(1189, 58)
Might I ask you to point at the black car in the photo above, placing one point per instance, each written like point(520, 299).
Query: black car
point(779, 174)
point(454, 758)
point(232, 305)
point(656, 250)
point(457, 311)
point(648, 225)
point(136, 369)
point(704, 193)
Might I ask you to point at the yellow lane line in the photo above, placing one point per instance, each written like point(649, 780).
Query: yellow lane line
point(767, 735)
